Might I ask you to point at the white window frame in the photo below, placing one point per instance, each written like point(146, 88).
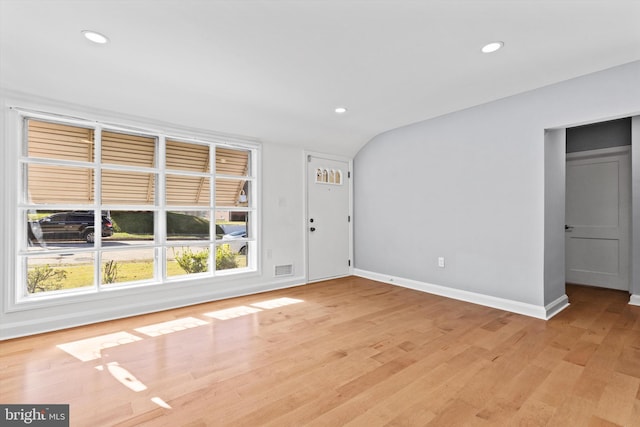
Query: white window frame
point(16, 297)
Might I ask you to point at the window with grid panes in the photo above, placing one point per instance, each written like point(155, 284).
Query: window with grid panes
point(103, 207)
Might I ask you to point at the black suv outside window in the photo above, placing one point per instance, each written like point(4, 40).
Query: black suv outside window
point(68, 226)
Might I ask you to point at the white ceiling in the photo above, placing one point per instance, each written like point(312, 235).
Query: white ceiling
point(275, 70)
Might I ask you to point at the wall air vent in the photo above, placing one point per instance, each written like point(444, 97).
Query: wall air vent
point(283, 270)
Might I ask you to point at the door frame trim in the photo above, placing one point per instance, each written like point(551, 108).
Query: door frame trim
point(579, 155)
point(305, 209)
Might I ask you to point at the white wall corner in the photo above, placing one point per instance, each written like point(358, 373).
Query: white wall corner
point(635, 299)
point(531, 310)
point(556, 306)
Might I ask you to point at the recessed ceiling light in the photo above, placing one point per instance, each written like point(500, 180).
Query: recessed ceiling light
point(340, 110)
point(492, 47)
point(95, 37)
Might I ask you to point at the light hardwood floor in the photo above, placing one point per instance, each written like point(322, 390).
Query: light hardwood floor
point(343, 352)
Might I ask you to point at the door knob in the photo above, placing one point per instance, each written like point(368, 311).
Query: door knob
point(312, 229)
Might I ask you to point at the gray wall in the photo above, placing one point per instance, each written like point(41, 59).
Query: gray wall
point(470, 186)
point(554, 207)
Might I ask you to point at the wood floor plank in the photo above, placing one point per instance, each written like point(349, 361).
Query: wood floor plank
point(581, 352)
point(589, 387)
point(455, 413)
point(533, 413)
point(617, 400)
point(504, 405)
point(634, 419)
point(599, 422)
point(416, 389)
point(574, 411)
point(350, 352)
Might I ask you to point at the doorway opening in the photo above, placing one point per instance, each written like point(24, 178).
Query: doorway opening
point(598, 204)
point(555, 198)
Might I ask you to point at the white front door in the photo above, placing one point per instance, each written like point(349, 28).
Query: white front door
point(328, 218)
point(598, 197)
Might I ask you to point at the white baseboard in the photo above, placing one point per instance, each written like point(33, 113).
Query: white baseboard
point(532, 310)
point(556, 306)
point(635, 299)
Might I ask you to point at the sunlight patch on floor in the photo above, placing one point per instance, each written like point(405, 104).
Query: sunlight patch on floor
point(90, 348)
point(275, 303)
point(171, 326)
point(233, 312)
point(161, 403)
point(125, 377)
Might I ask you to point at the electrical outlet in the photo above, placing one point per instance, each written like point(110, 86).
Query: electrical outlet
point(441, 261)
